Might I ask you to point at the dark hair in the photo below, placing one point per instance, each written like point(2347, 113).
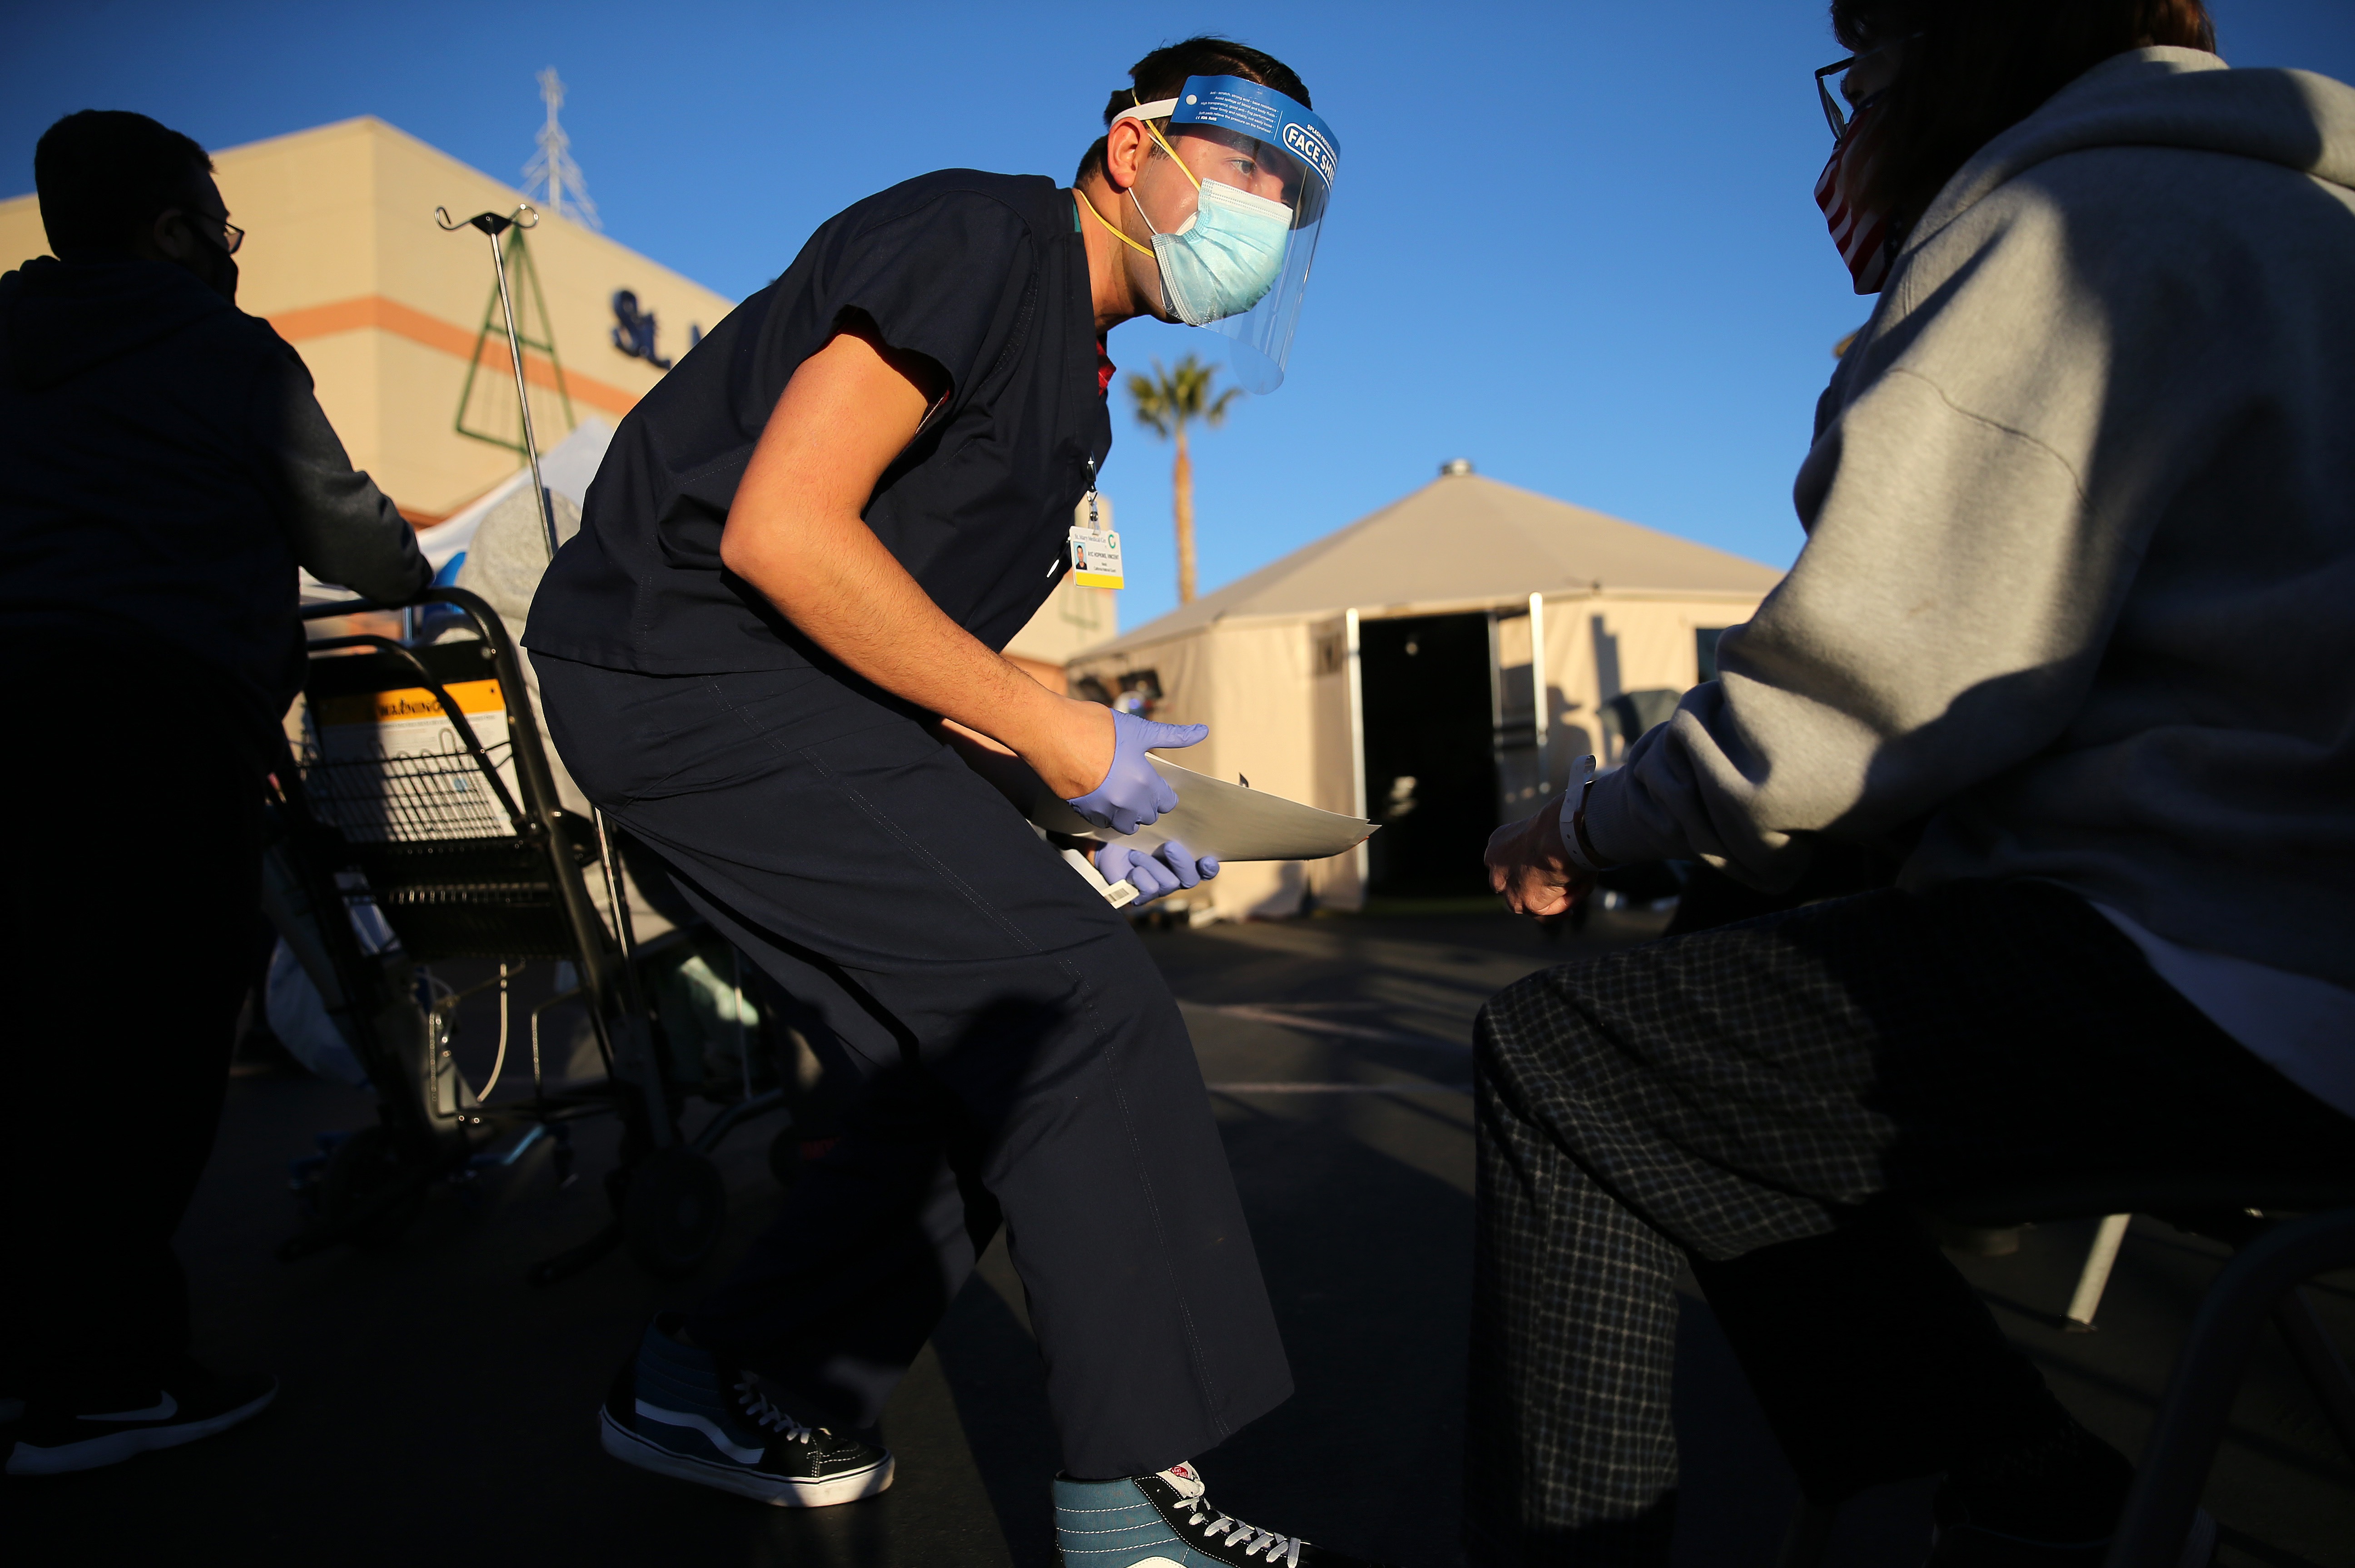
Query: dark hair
point(1161, 73)
point(104, 174)
point(1974, 69)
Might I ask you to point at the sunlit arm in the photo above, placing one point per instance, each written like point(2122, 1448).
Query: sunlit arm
point(796, 534)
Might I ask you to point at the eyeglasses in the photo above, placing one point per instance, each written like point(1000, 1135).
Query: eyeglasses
point(1833, 114)
point(228, 235)
point(1832, 111)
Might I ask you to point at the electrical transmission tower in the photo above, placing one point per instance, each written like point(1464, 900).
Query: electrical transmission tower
point(552, 178)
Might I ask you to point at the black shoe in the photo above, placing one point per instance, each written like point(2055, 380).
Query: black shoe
point(192, 1404)
point(675, 1411)
point(1162, 1520)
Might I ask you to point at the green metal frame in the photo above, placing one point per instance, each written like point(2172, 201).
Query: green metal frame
point(528, 290)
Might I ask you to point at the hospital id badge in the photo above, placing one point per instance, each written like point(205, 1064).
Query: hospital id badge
point(1095, 556)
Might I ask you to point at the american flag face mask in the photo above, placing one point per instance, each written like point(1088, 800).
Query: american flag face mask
point(1860, 232)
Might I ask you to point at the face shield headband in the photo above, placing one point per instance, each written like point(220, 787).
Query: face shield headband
point(1238, 264)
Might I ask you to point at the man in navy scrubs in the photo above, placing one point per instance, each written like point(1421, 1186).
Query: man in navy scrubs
point(771, 656)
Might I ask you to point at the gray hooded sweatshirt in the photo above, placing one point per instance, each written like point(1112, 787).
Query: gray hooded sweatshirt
point(2078, 596)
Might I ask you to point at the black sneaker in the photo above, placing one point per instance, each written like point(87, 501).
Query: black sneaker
point(675, 1411)
point(1162, 1520)
point(193, 1404)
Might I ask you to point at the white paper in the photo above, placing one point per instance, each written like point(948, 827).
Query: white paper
point(1119, 894)
point(1231, 821)
point(401, 773)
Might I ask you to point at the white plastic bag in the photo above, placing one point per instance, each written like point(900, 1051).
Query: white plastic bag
point(299, 1019)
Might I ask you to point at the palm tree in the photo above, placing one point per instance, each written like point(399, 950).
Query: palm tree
point(1166, 402)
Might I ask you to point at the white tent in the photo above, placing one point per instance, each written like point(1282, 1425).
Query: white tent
point(1429, 624)
point(568, 466)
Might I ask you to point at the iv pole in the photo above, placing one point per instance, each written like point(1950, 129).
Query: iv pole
point(493, 225)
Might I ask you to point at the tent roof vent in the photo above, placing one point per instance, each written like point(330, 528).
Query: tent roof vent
point(1456, 465)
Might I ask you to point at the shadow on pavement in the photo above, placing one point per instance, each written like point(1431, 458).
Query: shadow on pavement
point(437, 1409)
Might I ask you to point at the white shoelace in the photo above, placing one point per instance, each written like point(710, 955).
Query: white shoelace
point(764, 1413)
point(1252, 1540)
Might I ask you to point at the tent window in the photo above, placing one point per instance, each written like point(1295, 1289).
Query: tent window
point(1705, 650)
point(1332, 652)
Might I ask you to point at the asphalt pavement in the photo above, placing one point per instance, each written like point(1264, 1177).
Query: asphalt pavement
point(436, 1408)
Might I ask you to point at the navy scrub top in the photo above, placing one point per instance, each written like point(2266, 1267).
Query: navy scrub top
point(984, 275)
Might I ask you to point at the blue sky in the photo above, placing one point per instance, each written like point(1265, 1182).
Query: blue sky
point(1574, 242)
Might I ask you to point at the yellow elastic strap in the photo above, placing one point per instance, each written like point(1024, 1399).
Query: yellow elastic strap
point(1157, 135)
point(1171, 151)
point(1109, 229)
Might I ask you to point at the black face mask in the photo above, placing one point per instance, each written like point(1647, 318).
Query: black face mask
point(207, 257)
point(215, 266)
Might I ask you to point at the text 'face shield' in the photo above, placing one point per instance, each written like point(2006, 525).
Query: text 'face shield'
point(1237, 265)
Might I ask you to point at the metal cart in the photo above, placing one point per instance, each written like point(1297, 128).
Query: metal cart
point(460, 846)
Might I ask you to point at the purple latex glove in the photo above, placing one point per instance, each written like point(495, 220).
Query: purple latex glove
point(1157, 871)
point(1132, 794)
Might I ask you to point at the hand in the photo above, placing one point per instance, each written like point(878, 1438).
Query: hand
point(1529, 864)
point(1154, 873)
point(1131, 794)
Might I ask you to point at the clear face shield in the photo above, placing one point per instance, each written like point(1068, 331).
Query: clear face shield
point(1235, 209)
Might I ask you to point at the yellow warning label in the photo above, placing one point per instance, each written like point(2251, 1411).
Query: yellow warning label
point(472, 697)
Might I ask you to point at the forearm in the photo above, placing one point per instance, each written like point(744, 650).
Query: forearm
point(796, 533)
point(344, 529)
point(349, 533)
point(1010, 776)
point(829, 574)
point(1007, 773)
point(1697, 789)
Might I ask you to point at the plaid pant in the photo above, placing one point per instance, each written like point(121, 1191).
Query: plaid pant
point(1767, 1099)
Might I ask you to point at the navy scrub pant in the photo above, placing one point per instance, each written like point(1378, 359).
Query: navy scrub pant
point(1016, 1054)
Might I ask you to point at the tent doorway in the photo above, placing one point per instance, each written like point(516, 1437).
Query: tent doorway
point(1428, 692)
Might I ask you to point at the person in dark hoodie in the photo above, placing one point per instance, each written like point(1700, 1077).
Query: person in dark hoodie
point(163, 469)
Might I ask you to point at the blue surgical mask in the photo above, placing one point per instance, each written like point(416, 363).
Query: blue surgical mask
point(1226, 256)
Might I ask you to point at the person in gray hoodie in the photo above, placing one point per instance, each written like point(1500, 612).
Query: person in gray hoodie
point(163, 469)
point(2070, 633)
